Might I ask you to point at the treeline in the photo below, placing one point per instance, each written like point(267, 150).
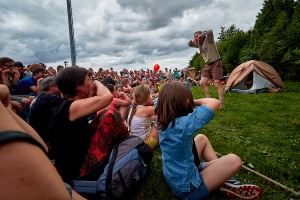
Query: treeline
point(275, 39)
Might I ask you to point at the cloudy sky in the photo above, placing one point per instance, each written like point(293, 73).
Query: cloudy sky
point(135, 34)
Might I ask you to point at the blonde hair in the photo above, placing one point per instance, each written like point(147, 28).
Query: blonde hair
point(124, 81)
point(140, 96)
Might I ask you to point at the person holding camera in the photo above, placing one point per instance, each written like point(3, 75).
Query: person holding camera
point(204, 40)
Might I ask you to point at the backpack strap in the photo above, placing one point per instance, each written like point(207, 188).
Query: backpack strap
point(11, 136)
point(109, 194)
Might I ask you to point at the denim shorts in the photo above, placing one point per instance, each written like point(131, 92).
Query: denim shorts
point(195, 193)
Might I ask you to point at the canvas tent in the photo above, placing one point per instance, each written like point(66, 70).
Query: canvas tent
point(253, 77)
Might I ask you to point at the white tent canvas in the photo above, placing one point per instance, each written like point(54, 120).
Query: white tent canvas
point(256, 85)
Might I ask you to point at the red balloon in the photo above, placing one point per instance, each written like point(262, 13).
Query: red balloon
point(156, 67)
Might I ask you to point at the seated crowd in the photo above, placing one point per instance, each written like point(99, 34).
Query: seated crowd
point(80, 114)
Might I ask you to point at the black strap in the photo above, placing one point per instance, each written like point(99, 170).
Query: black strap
point(111, 164)
point(196, 156)
point(10, 136)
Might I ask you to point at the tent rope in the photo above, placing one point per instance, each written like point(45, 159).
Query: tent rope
point(267, 178)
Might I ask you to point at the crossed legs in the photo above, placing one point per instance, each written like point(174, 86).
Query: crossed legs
point(217, 170)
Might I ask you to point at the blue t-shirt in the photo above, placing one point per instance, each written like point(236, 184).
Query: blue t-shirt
point(176, 145)
point(23, 86)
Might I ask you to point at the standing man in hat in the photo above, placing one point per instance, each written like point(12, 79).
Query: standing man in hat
point(204, 40)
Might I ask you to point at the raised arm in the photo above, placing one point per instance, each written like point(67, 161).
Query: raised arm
point(15, 76)
point(126, 102)
point(208, 35)
point(37, 88)
point(212, 103)
point(2, 77)
point(85, 107)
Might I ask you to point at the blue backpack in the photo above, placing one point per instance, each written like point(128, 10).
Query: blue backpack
point(120, 175)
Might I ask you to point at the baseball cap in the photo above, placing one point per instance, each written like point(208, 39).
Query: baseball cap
point(47, 82)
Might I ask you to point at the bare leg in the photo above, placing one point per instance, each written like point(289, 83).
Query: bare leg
point(220, 170)
point(204, 148)
point(26, 102)
point(204, 87)
point(219, 89)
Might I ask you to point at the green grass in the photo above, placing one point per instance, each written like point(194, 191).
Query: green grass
point(262, 129)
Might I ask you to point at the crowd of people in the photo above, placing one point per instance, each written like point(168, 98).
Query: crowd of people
point(76, 115)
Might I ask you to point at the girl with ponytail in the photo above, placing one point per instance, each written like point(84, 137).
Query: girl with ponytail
point(141, 115)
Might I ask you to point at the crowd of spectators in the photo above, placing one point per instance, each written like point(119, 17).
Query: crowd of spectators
point(24, 82)
point(79, 115)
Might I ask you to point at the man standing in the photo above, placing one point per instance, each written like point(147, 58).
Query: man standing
point(176, 73)
point(213, 66)
point(166, 73)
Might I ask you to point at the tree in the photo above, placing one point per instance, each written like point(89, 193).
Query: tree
point(291, 59)
point(229, 45)
point(196, 62)
point(275, 39)
point(226, 35)
point(293, 28)
point(274, 44)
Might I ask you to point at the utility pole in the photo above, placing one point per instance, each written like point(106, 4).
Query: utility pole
point(71, 33)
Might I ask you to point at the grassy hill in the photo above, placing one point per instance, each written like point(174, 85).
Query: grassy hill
point(263, 129)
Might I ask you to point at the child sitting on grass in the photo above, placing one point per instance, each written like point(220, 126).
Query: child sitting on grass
point(140, 116)
point(179, 117)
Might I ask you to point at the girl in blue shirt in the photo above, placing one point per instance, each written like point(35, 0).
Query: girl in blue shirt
point(179, 117)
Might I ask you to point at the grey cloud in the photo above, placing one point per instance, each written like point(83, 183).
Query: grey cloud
point(158, 13)
point(117, 34)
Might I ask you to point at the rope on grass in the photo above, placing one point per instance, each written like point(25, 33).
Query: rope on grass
point(269, 179)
